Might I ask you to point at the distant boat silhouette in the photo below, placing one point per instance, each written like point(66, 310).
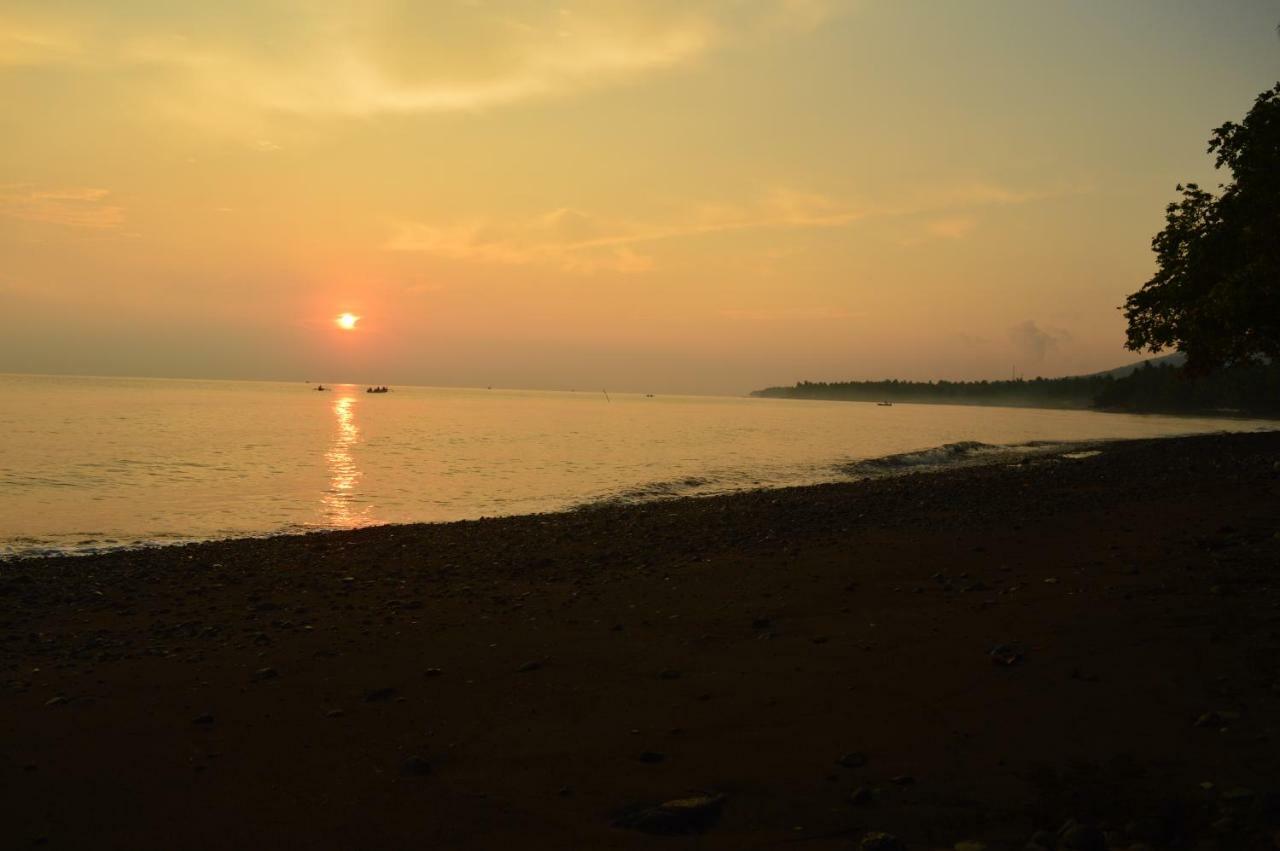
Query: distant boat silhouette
point(321, 387)
point(379, 389)
point(884, 404)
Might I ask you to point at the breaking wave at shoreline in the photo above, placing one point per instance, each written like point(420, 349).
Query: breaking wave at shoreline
point(963, 453)
point(968, 453)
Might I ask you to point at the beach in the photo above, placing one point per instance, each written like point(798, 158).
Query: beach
point(968, 655)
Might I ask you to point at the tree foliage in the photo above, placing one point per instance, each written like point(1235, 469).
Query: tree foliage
point(1245, 388)
point(1216, 291)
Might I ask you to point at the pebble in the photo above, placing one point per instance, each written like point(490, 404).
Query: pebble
point(265, 674)
point(206, 718)
point(652, 757)
point(1080, 837)
point(1216, 718)
point(1006, 654)
point(693, 814)
point(1042, 840)
point(855, 759)
point(860, 796)
point(377, 695)
point(877, 841)
point(528, 666)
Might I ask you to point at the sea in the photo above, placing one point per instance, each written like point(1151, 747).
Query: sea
point(92, 464)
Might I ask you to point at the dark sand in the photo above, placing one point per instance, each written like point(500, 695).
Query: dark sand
point(494, 684)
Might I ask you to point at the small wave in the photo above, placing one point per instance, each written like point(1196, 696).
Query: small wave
point(961, 453)
point(18, 548)
point(967, 452)
point(653, 491)
point(948, 453)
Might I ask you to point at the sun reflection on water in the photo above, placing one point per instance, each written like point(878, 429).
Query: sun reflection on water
point(340, 499)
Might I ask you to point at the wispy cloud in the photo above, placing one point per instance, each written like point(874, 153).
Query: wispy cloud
point(567, 239)
point(577, 241)
point(952, 227)
point(370, 57)
point(81, 207)
point(791, 314)
point(945, 228)
point(581, 242)
point(40, 41)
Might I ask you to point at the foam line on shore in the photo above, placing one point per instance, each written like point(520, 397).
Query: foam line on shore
point(935, 458)
point(711, 483)
point(962, 453)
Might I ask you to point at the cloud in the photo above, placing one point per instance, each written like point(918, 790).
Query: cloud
point(25, 44)
point(953, 227)
point(577, 241)
point(369, 57)
point(567, 239)
point(789, 314)
point(946, 228)
point(81, 207)
point(1033, 343)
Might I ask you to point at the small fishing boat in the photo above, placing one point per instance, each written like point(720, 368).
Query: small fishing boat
point(884, 404)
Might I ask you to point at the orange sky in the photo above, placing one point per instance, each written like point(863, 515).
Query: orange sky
point(690, 196)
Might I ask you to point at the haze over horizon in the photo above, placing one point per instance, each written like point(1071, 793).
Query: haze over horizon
point(700, 197)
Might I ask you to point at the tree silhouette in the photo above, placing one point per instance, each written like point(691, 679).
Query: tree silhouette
point(1216, 291)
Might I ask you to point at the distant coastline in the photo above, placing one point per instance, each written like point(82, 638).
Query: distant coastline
point(1152, 387)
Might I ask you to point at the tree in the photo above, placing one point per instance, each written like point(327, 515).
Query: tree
point(1216, 292)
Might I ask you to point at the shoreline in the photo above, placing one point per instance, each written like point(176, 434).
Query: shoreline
point(853, 471)
point(531, 680)
point(1204, 413)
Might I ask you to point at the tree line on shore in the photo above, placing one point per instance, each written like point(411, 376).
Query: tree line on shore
point(1164, 388)
point(1215, 298)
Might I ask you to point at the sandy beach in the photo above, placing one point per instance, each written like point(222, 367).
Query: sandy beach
point(975, 655)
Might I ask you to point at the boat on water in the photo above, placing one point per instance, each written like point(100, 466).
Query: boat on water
point(321, 387)
point(884, 404)
point(379, 389)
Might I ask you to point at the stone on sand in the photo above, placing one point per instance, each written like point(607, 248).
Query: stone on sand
point(693, 814)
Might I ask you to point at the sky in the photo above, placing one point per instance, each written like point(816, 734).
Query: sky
point(681, 196)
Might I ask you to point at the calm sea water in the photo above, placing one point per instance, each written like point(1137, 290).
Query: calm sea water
point(93, 463)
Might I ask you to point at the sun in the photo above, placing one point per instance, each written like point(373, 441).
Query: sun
point(347, 321)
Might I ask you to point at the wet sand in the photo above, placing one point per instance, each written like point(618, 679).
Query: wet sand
point(538, 682)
